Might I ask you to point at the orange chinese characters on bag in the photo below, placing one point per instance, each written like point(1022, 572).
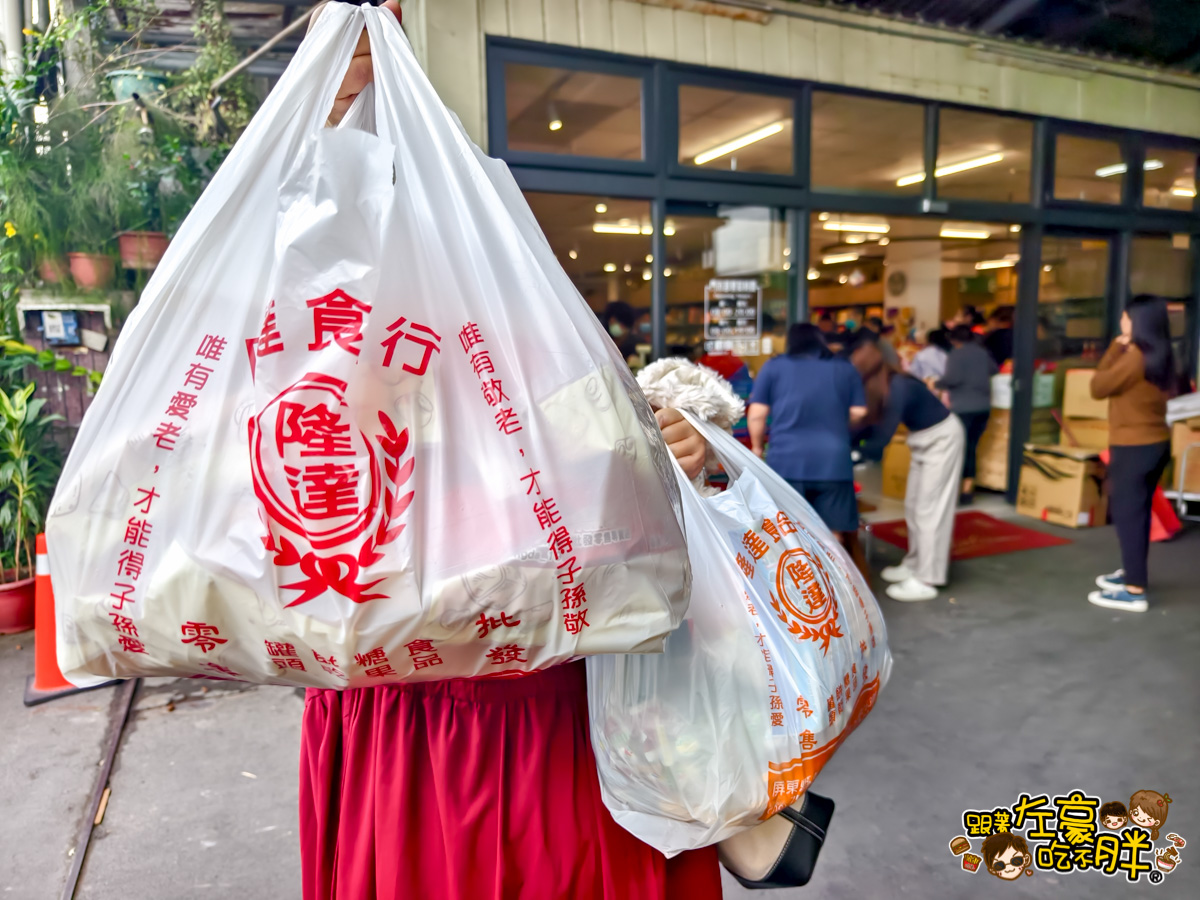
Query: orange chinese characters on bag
point(803, 598)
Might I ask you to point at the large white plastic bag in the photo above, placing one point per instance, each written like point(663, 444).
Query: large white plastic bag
point(346, 501)
point(759, 685)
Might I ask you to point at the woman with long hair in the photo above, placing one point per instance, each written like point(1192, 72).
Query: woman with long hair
point(812, 398)
point(1136, 376)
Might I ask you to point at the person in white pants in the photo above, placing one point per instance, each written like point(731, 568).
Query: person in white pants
point(937, 442)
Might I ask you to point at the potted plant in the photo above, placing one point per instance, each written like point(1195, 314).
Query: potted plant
point(89, 228)
point(29, 467)
point(161, 183)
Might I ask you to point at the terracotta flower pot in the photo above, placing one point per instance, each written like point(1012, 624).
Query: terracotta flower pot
point(16, 606)
point(54, 269)
point(92, 271)
point(141, 249)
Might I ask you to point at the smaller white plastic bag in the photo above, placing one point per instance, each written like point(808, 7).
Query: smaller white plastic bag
point(782, 654)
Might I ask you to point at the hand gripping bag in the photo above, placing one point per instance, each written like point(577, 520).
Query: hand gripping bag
point(361, 428)
point(781, 655)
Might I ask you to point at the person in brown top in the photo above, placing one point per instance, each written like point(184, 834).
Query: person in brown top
point(1135, 375)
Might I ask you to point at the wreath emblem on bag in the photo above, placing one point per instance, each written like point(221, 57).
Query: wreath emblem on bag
point(803, 598)
point(332, 493)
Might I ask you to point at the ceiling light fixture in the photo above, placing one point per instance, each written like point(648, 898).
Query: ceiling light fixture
point(1007, 263)
point(610, 267)
point(855, 238)
point(610, 228)
point(883, 242)
point(1183, 192)
point(573, 254)
point(602, 208)
point(628, 267)
point(786, 266)
point(951, 169)
point(824, 217)
point(813, 274)
point(1046, 268)
point(787, 251)
point(963, 233)
point(667, 273)
point(649, 257)
point(739, 142)
point(668, 229)
point(834, 258)
point(1015, 229)
point(1120, 168)
point(867, 227)
point(842, 279)
point(555, 124)
point(647, 275)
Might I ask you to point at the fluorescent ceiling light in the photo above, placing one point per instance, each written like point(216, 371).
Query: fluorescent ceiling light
point(962, 233)
point(1183, 192)
point(610, 228)
point(1015, 229)
point(610, 267)
point(813, 274)
point(740, 142)
point(951, 169)
point(1008, 262)
point(1120, 168)
point(867, 227)
point(855, 238)
point(835, 258)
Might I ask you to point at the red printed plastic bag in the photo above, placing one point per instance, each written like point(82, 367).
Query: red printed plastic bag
point(361, 427)
point(782, 654)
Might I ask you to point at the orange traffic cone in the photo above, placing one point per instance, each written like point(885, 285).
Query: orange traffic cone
point(47, 681)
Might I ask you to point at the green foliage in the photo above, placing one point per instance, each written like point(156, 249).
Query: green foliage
point(29, 466)
point(217, 56)
point(16, 356)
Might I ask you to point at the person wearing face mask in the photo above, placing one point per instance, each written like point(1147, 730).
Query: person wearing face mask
point(619, 320)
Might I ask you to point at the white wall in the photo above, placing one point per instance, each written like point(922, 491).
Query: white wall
point(921, 264)
point(840, 49)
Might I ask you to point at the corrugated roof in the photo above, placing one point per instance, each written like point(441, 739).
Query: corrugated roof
point(1161, 33)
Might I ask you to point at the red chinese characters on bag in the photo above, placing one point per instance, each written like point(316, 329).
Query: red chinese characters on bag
point(333, 490)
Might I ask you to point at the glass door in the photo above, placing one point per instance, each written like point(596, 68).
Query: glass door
point(1075, 293)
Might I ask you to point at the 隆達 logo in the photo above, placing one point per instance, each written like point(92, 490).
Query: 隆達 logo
point(803, 597)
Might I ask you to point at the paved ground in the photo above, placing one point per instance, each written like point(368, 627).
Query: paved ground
point(1010, 682)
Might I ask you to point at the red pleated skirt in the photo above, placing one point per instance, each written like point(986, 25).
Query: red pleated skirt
point(470, 789)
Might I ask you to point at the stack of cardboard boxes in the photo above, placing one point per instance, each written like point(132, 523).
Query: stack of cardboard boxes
point(896, 460)
point(991, 458)
point(1085, 421)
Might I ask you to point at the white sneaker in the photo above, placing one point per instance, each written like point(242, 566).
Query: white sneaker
point(896, 574)
point(912, 589)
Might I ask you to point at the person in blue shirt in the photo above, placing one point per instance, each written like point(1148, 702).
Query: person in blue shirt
point(812, 399)
point(936, 441)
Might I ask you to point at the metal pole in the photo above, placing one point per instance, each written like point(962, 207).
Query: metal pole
point(798, 310)
point(12, 20)
point(1025, 324)
point(658, 284)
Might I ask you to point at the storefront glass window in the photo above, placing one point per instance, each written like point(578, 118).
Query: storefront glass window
point(864, 144)
point(573, 112)
point(735, 131)
point(604, 244)
point(1088, 169)
point(983, 157)
point(727, 277)
point(1162, 265)
point(1170, 178)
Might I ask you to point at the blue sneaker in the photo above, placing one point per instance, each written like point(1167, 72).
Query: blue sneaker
point(1113, 582)
point(1121, 599)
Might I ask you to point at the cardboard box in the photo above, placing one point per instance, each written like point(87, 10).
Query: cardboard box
point(1063, 486)
point(1043, 391)
point(991, 457)
point(1077, 402)
point(1091, 433)
point(1183, 435)
point(896, 459)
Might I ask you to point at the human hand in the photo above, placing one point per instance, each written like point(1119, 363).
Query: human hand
point(360, 73)
point(684, 441)
point(1123, 339)
point(757, 451)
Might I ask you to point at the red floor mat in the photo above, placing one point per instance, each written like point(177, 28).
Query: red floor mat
point(976, 534)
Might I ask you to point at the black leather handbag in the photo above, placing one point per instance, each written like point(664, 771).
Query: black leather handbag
point(782, 851)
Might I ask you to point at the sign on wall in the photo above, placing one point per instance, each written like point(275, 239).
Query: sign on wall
point(732, 308)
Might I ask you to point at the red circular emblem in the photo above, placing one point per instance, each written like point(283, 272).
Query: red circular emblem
point(804, 587)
